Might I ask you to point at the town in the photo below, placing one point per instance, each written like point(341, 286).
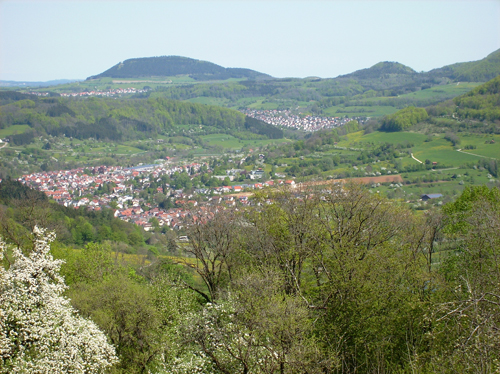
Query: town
point(285, 118)
point(107, 93)
point(140, 194)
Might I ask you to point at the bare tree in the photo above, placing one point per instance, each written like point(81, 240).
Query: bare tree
point(214, 243)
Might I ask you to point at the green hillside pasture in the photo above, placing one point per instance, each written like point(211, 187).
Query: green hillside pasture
point(360, 111)
point(442, 92)
point(424, 97)
point(230, 142)
point(483, 145)
point(358, 140)
point(121, 149)
point(262, 104)
point(14, 129)
point(440, 150)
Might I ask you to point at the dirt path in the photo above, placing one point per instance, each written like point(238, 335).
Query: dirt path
point(473, 154)
point(416, 159)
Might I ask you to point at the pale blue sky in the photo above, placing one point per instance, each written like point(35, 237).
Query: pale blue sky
point(44, 40)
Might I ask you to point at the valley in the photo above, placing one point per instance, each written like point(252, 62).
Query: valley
point(221, 220)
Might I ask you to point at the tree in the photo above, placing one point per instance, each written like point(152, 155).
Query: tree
point(40, 332)
point(467, 316)
point(285, 235)
point(124, 309)
point(257, 329)
point(368, 288)
point(214, 243)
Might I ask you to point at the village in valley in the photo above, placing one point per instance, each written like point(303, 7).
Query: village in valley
point(309, 123)
point(133, 193)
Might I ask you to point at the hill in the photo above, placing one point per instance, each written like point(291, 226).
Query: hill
point(380, 69)
point(119, 119)
point(475, 71)
point(168, 66)
point(475, 111)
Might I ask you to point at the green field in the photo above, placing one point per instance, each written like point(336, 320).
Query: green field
point(360, 111)
point(230, 142)
point(378, 137)
point(442, 92)
point(483, 144)
point(433, 94)
point(14, 129)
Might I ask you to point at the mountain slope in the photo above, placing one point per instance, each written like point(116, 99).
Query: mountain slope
point(474, 71)
point(168, 66)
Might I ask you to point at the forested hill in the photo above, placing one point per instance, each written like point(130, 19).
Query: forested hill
point(481, 104)
point(380, 69)
point(477, 111)
point(119, 119)
point(475, 71)
point(168, 66)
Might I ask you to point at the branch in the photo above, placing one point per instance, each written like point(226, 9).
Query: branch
point(204, 295)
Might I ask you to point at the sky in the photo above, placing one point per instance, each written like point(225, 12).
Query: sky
point(48, 40)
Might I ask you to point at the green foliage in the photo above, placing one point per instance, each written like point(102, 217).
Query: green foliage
point(260, 127)
point(324, 280)
point(106, 119)
point(476, 71)
point(380, 69)
point(404, 118)
point(468, 318)
point(482, 103)
point(29, 208)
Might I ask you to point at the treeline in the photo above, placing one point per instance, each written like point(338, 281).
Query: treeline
point(476, 111)
point(333, 280)
point(101, 118)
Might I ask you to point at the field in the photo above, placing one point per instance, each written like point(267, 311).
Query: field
point(435, 148)
point(360, 111)
point(377, 137)
point(12, 130)
point(442, 92)
point(424, 97)
point(230, 142)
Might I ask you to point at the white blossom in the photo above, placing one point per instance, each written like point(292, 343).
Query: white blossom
point(40, 332)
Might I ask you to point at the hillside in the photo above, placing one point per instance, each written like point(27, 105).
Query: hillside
point(475, 111)
point(380, 69)
point(475, 71)
point(168, 66)
point(118, 120)
point(374, 92)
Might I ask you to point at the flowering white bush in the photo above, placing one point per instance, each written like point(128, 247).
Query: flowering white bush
point(40, 332)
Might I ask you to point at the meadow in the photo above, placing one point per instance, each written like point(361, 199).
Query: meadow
point(14, 129)
point(230, 142)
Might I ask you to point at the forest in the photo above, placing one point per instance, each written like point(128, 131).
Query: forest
point(327, 280)
point(167, 66)
point(108, 119)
